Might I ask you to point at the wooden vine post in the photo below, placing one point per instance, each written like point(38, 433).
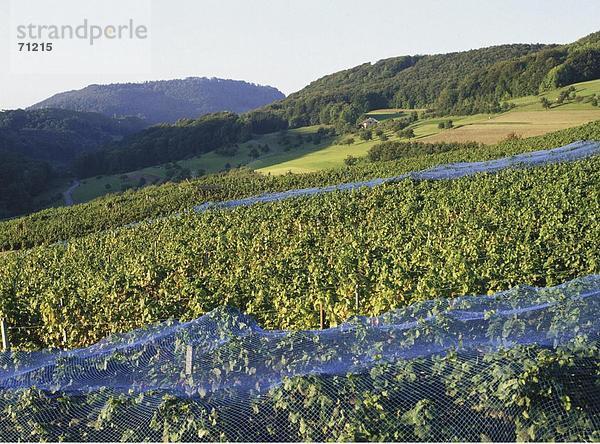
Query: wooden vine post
point(4, 334)
point(64, 330)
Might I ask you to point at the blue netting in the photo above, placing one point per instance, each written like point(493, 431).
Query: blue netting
point(567, 153)
point(521, 364)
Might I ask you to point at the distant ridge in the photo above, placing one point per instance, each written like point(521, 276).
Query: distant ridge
point(166, 101)
point(458, 83)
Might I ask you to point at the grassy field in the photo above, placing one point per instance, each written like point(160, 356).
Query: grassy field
point(309, 160)
point(484, 128)
point(93, 187)
point(584, 89)
point(211, 162)
point(335, 153)
point(392, 113)
point(528, 118)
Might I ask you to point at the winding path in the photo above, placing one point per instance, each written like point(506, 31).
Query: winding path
point(68, 194)
point(568, 153)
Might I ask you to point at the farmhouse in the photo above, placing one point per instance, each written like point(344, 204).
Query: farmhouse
point(367, 123)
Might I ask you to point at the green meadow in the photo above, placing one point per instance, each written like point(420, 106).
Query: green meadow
point(527, 118)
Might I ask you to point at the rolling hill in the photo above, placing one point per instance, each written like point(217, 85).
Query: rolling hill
point(464, 83)
point(475, 81)
point(304, 149)
point(59, 136)
point(37, 146)
point(165, 101)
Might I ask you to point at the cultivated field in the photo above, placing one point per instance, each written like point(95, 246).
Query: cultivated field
point(528, 118)
point(491, 130)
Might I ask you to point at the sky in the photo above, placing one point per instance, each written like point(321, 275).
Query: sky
point(282, 43)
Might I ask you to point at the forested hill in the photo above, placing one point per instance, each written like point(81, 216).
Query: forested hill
point(37, 146)
point(21, 179)
point(458, 83)
point(166, 101)
point(58, 136)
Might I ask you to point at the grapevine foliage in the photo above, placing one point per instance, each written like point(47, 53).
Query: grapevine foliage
point(518, 365)
point(385, 247)
point(112, 211)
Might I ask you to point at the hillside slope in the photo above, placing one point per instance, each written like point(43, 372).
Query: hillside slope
point(58, 136)
point(314, 148)
point(117, 210)
point(483, 80)
point(479, 80)
point(166, 100)
point(36, 145)
point(389, 246)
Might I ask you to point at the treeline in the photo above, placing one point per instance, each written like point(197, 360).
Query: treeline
point(393, 150)
point(21, 180)
point(468, 82)
point(120, 209)
point(187, 138)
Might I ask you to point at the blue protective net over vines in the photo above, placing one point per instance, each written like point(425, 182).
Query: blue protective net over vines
point(567, 153)
point(523, 364)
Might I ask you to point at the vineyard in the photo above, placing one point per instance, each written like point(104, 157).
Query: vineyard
point(516, 366)
point(114, 211)
point(361, 252)
point(568, 153)
point(352, 318)
point(405, 250)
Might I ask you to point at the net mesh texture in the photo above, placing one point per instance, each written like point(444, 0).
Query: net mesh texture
point(568, 153)
point(517, 365)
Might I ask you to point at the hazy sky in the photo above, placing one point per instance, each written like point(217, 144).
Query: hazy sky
point(289, 43)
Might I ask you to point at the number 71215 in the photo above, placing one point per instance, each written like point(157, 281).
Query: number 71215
point(35, 47)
